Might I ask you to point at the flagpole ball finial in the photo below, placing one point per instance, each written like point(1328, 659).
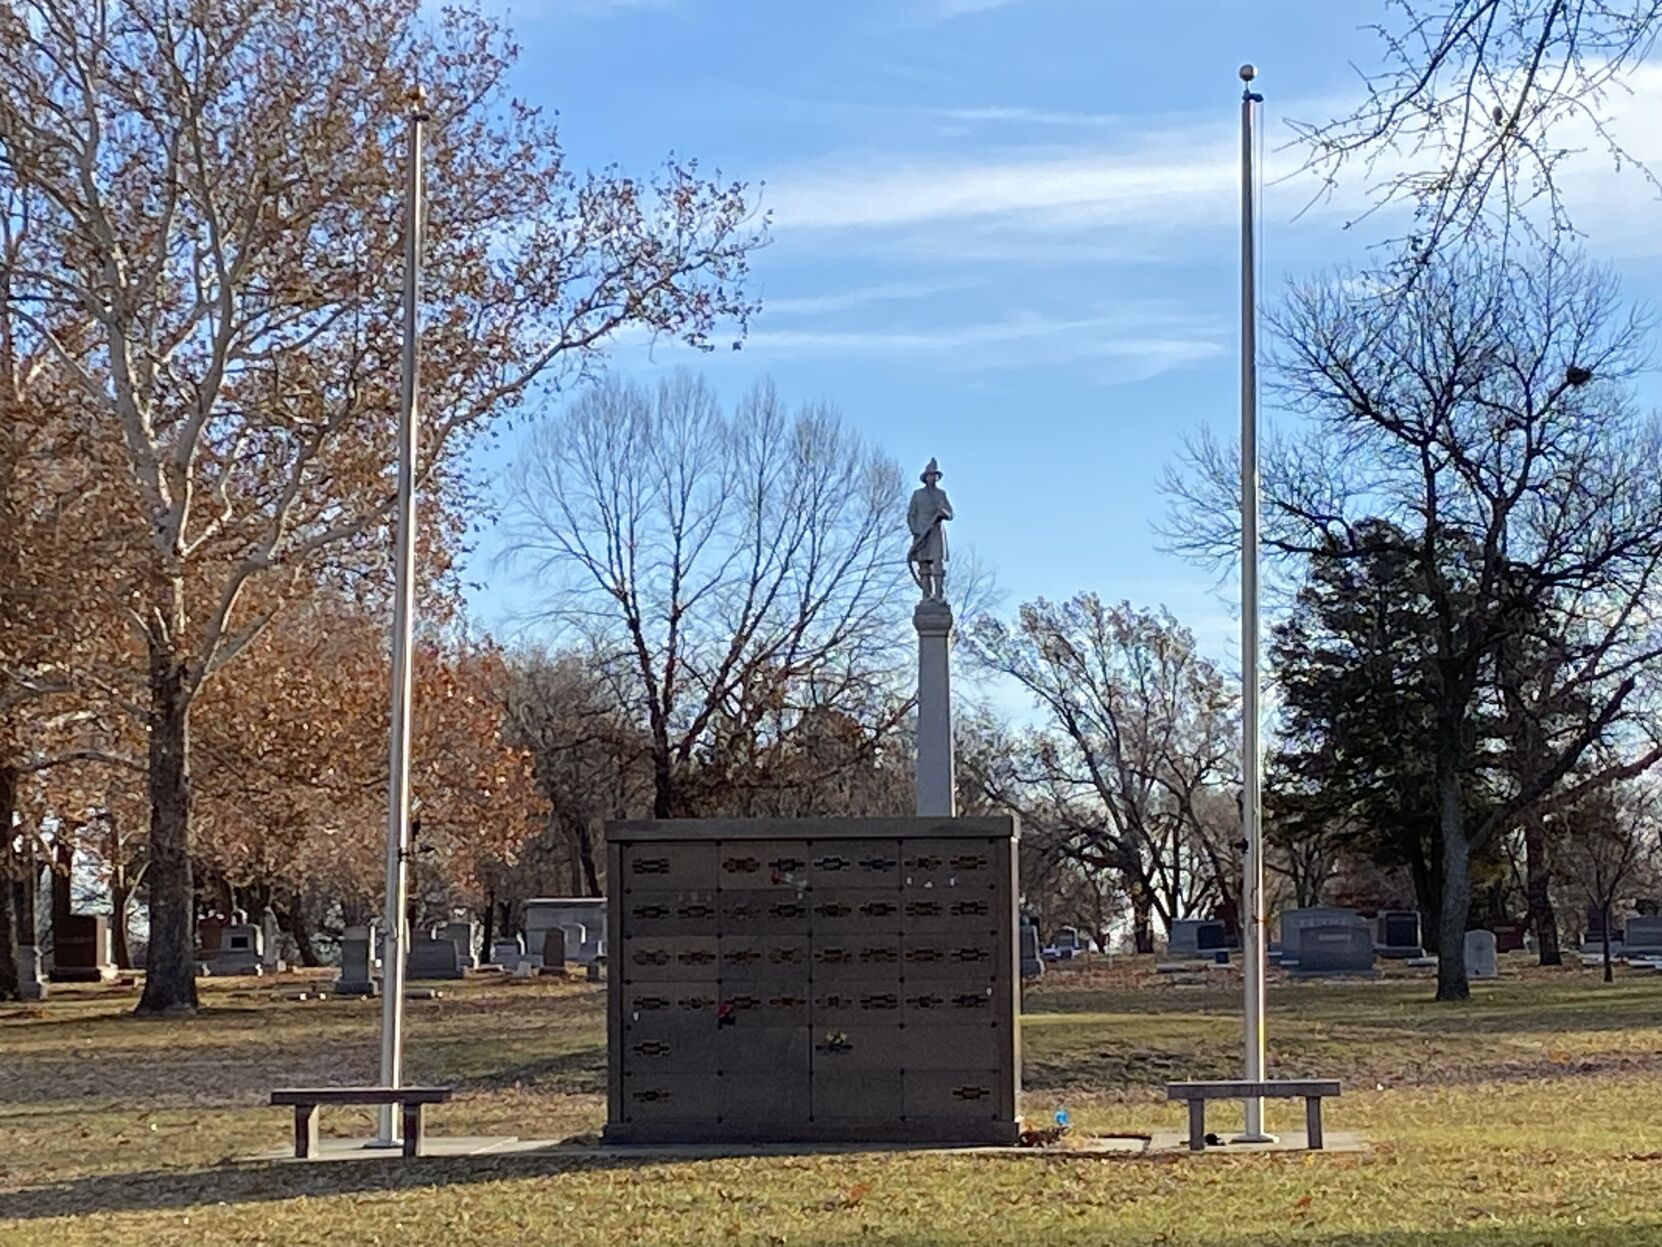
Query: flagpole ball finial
point(1248, 72)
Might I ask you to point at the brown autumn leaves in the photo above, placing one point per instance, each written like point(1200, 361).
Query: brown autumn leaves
point(200, 259)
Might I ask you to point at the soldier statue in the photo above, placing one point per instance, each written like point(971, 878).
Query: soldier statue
point(928, 511)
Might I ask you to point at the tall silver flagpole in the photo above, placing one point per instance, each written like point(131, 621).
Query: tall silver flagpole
point(398, 770)
point(1252, 969)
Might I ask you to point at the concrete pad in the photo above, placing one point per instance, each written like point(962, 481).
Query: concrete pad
point(432, 1145)
point(1286, 1141)
point(1084, 1146)
point(509, 1145)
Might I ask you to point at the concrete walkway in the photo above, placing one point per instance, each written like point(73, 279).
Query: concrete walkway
point(1163, 1141)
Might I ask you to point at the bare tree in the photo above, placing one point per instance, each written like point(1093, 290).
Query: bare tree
point(1462, 121)
point(740, 575)
point(1613, 850)
point(588, 758)
point(1140, 739)
point(1484, 414)
point(215, 193)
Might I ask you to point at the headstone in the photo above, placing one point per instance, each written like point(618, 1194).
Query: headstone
point(31, 985)
point(465, 933)
point(1032, 958)
point(1509, 937)
point(435, 956)
point(271, 938)
point(1480, 955)
point(553, 952)
point(1212, 936)
point(1295, 921)
point(508, 953)
point(1335, 948)
point(241, 950)
point(548, 913)
point(357, 963)
point(1594, 941)
point(81, 950)
point(1595, 924)
point(1399, 934)
point(1184, 937)
point(1643, 935)
point(209, 935)
point(576, 935)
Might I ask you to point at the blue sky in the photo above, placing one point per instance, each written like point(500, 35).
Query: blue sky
point(1005, 232)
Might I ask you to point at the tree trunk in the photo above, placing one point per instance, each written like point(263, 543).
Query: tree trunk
point(170, 966)
point(28, 922)
point(293, 919)
point(663, 783)
point(10, 987)
point(1604, 932)
point(63, 897)
point(1142, 922)
point(121, 893)
point(1428, 896)
point(488, 931)
point(1538, 870)
point(586, 860)
point(1457, 887)
point(120, 897)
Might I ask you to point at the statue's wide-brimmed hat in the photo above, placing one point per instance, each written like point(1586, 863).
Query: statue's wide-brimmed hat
point(932, 470)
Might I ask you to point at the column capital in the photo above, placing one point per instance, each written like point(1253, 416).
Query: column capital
point(932, 617)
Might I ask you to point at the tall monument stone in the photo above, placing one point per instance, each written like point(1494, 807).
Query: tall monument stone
point(926, 516)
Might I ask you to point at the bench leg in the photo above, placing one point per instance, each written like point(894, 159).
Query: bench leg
point(414, 1119)
point(305, 1130)
point(1197, 1125)
point(1313, 1122)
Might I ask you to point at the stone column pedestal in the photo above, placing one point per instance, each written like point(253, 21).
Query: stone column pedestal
point(936, 787)
point(30, 983)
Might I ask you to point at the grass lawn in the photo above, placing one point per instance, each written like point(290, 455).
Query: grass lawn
point(1531, 1114)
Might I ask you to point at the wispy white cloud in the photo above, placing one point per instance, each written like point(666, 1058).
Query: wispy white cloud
point(1131, 343)
point(947, 10)
point(997, 115)
point(1129, 189)
point(1164, 184)
point(845, 300)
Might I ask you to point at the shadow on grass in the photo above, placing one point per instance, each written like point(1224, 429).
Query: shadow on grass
point(247, 1184)
point(268, 1182)
point(257, 1182)
point(1500, 1008)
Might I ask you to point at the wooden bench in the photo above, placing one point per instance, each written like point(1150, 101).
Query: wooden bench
point(307, 1100)
point(1197, 1093)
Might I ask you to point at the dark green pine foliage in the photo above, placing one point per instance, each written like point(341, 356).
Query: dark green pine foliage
point(1355, 771)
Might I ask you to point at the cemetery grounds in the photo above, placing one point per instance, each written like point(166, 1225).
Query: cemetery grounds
point(1531, 1114)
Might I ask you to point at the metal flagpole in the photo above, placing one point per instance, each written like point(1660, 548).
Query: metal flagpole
point(1252, 970)
point(398, 770)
